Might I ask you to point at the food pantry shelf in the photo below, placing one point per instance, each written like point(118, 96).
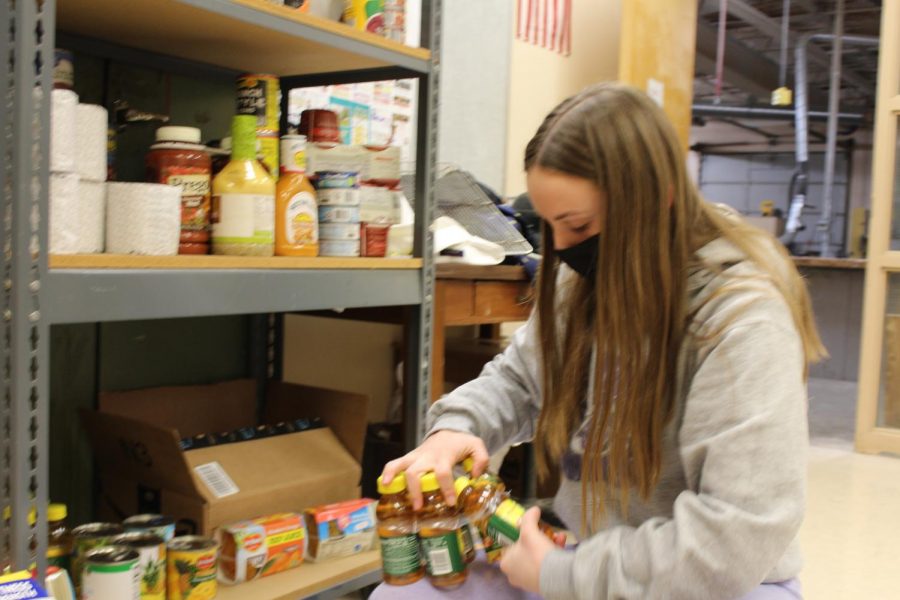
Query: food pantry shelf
point(310, 578)
point(244, 35)
point(83, 289)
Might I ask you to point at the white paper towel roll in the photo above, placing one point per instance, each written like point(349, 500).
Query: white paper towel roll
point(90, 128)
point(92, 211)
point(63, 145)
point(64, 230)
point(143, 218)
point(76, 215)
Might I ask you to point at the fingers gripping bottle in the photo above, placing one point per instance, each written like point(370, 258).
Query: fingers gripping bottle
point(440, 537)
point(402, 564)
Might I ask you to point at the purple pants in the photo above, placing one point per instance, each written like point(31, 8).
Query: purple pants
point(486, 581)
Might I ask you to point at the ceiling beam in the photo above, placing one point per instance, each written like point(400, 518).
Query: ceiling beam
point(772, 28)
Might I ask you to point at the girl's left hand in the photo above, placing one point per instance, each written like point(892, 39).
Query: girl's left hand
point(522, 561)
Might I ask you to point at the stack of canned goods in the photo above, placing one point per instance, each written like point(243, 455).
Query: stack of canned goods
point(339, 223)
point(142, 560)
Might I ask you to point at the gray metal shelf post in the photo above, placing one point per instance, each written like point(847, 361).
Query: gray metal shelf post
point(27, 56)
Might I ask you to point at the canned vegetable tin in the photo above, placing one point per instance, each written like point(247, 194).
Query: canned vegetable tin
point(87, 537)
point(192, 568)
point(111, 573)
point(160, 525)
point(152, 561)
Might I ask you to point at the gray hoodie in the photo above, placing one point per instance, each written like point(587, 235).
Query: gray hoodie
point(731, 495)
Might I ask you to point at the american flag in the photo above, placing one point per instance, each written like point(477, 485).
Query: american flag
point(546, 23)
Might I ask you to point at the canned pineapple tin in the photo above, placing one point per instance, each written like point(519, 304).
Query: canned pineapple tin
point(192, 568)
point(152, 561)
point(160, 525)
point(111, 572)
point(87, 537)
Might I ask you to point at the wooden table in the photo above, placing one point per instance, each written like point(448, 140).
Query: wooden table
point(470, 295)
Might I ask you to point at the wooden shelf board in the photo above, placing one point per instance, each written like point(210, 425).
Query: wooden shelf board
point(829, 263)
point(179, 28)
point(496, 272)
point(305, 580)
point(128, 261)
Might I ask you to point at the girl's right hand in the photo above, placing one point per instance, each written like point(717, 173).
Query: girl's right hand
point(440, 452)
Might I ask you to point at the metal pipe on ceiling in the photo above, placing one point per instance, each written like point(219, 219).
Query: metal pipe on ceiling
point(775, 114)
point(802, 115)
point(785, 42)
point(720, 49)
point(823, 227)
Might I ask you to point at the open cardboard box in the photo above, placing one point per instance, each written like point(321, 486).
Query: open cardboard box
point(135, 437)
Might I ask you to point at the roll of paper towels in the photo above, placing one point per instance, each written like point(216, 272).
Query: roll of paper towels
point(76, 214)
point(143, 218)
point(92, 210)
point(64, 232)
point(91, 135)
point(63, 145)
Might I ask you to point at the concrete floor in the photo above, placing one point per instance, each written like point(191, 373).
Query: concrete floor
point(851, 535)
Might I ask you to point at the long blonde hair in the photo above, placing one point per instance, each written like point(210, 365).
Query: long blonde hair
point(625, 329)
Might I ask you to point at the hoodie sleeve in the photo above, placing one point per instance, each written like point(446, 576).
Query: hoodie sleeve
point(501, 406)
point(743, 443)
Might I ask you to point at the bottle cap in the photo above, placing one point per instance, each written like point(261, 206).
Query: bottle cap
point(429, 482)
point(461, 483)
point(171, 133)
point(57, 512)
point(397, 485)
point(468, 464)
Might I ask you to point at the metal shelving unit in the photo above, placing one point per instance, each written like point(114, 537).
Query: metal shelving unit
point(223, 36)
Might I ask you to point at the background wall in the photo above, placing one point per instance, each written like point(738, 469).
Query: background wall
point(475, 75)
point(541, 78)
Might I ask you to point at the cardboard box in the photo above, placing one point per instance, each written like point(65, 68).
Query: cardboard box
point(341, 529)
point(20, 585)
point(135, 437)
point(261, 547)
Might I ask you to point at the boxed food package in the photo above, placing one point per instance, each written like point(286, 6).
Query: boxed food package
point(135, 436)
point(373, 239)
point(379, 205)
point(341, 529)
point(379, 165)
point(20, 585)
point(261, 547)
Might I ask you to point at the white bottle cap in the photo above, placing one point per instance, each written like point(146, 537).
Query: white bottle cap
point(185, 135)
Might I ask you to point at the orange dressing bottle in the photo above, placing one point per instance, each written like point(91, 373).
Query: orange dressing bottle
point(296, 211)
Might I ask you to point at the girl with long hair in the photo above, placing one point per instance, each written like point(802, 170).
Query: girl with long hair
point(663, 372)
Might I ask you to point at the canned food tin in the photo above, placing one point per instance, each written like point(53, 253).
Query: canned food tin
point(326, 180)
point(86, 538)
point(338, 197)
point(111, 573)
point(330, 248)
point(192, 568)
point(151, 551)
point(338, 214)
point(339, 232)
point(160, 525)
point(260, 95)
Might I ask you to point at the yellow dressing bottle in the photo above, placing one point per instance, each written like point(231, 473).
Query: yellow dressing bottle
point(243, 203)
point(296, 211)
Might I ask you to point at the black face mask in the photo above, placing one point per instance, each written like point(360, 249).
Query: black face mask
point(582, 257)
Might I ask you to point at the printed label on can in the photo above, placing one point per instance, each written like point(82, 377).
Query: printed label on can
point(153, 572)
point(259, 95)
point(332, 248)
point(443, 555)
point(400, 554)
point(339, 231)
point(244, 219)
point(301, 220)
point(338, 214)
point(339, 196)
point(191, 574)
point(105, 581)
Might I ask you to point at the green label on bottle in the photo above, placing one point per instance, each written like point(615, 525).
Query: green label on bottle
point(443, 555)
point(400, 554)
point(502, 531)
